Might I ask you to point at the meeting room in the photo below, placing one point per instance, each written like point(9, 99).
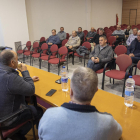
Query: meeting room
point(69, 69)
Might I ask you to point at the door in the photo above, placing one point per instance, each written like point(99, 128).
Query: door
point(132, 16)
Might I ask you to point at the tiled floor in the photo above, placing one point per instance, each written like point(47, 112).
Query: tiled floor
point(114, 89)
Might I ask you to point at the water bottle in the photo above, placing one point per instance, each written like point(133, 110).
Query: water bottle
point(129, 92)
point(64, 79)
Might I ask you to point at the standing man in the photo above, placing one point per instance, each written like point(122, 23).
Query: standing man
point(13, 90)
point(102, 53)
point(73, 42)
point(80, 33)
point(61, 34)
point(53, 39)
point(132, 36)
point(90, 34)
point(134, 49)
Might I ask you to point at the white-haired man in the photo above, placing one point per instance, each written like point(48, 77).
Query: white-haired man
point(78, 120)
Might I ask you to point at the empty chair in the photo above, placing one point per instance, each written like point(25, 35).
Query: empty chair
point(88, 46)
point(26, 48)
point(62, 52)
point(67, 35)
point(43, 51)
point(137, 77)
point(120, 49)
point(64, 42)
point(52, 54)
point(33, 51)
point(111, 41)
point(124, 62)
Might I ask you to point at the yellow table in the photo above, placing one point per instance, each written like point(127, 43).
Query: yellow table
point(129, 118)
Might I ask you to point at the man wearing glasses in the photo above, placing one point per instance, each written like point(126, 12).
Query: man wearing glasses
point(134, 49)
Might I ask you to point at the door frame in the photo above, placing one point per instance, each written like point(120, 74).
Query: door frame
point(129, 15)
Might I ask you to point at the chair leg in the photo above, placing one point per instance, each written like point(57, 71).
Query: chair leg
point(84, 61)
point(58, 69)
point(110, 80)
point(113, 81)
point(73, 59)
point(30, 60)
point(123, 88)
point(23, 58)
point(40, 63)
point(1, 136)
point(103, 79)
point(48, 67)
point(33, 129)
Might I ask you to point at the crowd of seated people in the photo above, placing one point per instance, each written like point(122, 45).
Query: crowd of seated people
point(14, 89)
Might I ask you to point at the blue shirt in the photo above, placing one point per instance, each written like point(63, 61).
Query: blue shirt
point(53, 39)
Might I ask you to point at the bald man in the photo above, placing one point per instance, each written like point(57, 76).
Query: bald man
point(73, 42)
point(91, 34)
point(13, 90)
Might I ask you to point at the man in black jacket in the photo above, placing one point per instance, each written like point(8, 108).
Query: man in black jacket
point(134, 49)
point(13, 90)
point(95, 40)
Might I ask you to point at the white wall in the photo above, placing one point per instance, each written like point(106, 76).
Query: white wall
point(104, 12)
point(13, 22)
point(44, 15)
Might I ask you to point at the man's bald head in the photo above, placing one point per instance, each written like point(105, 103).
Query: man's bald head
point(7, 56)
point(92, 29)
point(74, 33)
point(118, 27)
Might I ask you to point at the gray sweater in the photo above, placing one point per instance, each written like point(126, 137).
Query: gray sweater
point(78, 122)
point(104, 55)
point(61, 35)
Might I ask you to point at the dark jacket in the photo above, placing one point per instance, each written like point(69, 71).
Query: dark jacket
point(132, 47)
point(13, 89)
point(90, 34)
point(81, 35)
point(96, 39)
point(82, 50)
point(105, 55)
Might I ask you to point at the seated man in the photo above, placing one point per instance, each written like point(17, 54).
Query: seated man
point(95, 40)
point(91, 34)
point(73, 42)
point(119, 34)
point(53, 39)
point(128, 31)
point(80, 34)
point(13, 90)
point(78, 119)
point(61, 34)
point(132, 37)
point(102, 53)
point(134, 49)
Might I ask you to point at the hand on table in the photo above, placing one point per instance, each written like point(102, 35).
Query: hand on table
point(35, 78)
